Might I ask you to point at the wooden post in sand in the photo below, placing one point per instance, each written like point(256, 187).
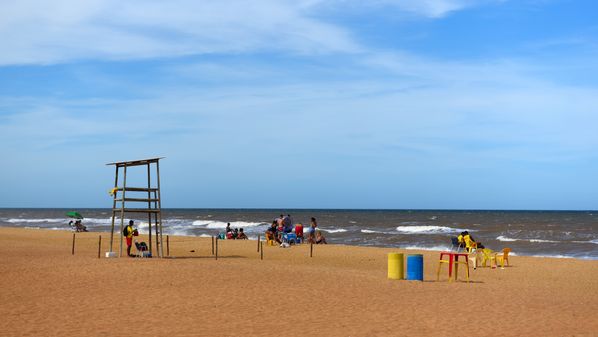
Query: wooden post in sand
point(167, 246)
point(212, 245)
point(311, 249)
point(258, 243)
point(216, 248)
point(73, 250)
point(99, 246)
point(261, 250)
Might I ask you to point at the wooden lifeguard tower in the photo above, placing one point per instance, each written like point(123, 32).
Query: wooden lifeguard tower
point(137, 195)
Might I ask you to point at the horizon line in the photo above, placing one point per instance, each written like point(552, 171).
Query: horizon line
point(337, 209)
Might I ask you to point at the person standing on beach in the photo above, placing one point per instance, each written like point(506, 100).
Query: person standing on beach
point(128, 232)
point(311, 235)
point(287, 223)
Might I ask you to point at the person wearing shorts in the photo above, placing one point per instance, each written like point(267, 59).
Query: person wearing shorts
point(129, 236)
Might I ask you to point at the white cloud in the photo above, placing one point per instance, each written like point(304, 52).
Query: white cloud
point(36, 31)
point(424, 119)
point(425, 8)
point(42, 32)
point(442, 109)
point(430, 8)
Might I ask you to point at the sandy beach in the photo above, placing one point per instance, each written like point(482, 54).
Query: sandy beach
point(340, 291)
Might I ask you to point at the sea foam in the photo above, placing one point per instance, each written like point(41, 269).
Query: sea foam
point(428, 230)
point(368, 231)
point(434, 248)
point(506, 239)
point(335, 230)
point(17, 220)
point(221, 225)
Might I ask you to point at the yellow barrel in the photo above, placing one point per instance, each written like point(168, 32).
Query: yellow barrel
point(395, 266)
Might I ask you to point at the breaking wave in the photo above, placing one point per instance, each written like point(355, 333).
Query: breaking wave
point(428, 230)
point(506, 239)
point(335, 230)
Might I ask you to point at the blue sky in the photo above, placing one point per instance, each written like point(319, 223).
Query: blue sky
point(445, 104)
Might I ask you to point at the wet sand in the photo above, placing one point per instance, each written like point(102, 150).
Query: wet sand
point(340, 291)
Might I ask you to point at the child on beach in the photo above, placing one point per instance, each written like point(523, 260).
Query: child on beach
point(320, 239)
point(241, 235)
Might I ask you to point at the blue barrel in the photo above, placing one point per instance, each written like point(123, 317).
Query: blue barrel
point(415, 267)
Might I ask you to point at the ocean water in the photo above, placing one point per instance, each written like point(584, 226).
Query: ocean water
point(533, 233)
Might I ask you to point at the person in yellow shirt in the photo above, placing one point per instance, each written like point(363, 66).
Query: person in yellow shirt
point(470, 244)
point(128, 232)
point(460, 241)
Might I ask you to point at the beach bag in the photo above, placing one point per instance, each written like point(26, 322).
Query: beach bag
point(125, 232)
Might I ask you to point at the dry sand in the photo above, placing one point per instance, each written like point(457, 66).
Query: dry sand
point(341, 291)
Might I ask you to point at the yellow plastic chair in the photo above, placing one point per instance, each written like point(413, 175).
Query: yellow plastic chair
point(270, 241)
point(470, 245)
point(504, 256)
point(489, 255)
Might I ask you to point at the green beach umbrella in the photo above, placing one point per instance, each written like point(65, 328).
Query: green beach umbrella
point(74, 214)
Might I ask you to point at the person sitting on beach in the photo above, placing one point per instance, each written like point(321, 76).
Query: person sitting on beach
point(320, 239)
point(241, 235)
point(236, 234)
point(311, 234)
point(460, 240)
point(271, 233)
point(470, 243)
point(79, 226)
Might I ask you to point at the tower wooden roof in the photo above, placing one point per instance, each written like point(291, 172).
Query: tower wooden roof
point(136, 162)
